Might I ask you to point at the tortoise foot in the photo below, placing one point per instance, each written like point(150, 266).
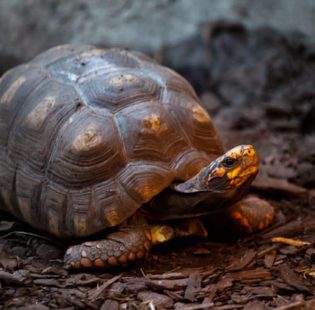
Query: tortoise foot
point(117, 250)
point(252, 214)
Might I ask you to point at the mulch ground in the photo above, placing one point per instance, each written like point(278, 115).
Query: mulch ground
point(259, 86)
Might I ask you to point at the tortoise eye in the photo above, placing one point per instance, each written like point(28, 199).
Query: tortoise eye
point(228, 162)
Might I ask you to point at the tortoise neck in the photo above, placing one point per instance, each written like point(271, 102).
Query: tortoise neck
point(171, 204)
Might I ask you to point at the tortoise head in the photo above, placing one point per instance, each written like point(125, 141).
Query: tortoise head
point(235, 169)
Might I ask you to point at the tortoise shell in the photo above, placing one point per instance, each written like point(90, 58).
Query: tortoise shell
point(88, 135)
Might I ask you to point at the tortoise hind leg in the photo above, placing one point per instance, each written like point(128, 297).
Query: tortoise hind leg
point(117, 249)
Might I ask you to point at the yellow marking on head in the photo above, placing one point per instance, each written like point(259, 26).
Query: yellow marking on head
point(234, 173)
point(249, 164)
point(249, 171)
point(234, 155)
point(235, 152)
point(37, 116)
point(219, 172)
point(250, 151)
point(235, 181)
point(11, 91)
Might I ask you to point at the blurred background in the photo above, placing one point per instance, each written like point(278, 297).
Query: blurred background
point(30, 26)
point(252, 62)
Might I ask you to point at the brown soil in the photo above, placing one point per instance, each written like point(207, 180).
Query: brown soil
point(259, 86)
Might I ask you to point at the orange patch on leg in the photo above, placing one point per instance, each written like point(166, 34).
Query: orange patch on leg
point(123, 259)
point(242, 219)
point(76, 265)
point(86, 262)
point(112, 261)
point(131, 256)
point(99, 263)
point(245, 222)
point(140, 254)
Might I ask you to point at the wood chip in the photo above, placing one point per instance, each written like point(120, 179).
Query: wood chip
point(110, 305)
point(47, 282)
point(12, 278)
point(198, 306)
point(244, 261)
point(290, 229)
point(299, 305)
point(270, 259)
point(94, 295)
point(291, 278)
point(193, 286)
point(168, 284)
point(254, 274)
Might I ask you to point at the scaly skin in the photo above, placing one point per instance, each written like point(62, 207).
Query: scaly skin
point(118, 249)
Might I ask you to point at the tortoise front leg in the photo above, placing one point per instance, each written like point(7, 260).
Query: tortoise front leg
point(249, 215)
point(128, 244)
point(118, 249)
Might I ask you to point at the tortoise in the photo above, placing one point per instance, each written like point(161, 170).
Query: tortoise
point(107, 140)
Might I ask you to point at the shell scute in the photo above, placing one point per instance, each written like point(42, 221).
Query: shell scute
point(116, 90)
point(87, 150)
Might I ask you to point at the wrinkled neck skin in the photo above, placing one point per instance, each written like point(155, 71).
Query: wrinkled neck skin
point(172, 204)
